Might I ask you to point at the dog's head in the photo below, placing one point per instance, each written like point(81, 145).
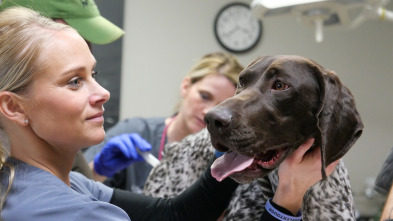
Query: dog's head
point(280, 102)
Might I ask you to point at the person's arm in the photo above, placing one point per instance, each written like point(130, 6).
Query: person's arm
point(297, 174)
point(205, 200)
point(387, 212)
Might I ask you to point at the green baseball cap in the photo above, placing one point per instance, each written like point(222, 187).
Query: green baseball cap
point(82, 15)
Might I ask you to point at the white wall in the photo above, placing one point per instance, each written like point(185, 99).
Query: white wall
point(163, 39)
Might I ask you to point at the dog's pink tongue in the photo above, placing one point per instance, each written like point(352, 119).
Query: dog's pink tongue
point(229, 163)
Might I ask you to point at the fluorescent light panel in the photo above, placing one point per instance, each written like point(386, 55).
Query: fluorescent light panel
point(272, 4)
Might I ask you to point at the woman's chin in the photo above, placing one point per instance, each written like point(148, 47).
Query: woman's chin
point(198, 127)
point(97, 138)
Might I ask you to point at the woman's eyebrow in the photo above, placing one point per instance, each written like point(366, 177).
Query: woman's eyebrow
point(78, 69)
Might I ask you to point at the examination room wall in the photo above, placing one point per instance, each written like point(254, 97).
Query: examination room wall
point(164, 38)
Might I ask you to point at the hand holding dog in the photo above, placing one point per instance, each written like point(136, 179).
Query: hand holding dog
point(297, 174)
point(119, 152)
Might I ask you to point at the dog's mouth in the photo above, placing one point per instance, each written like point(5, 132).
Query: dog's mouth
point(254, 166)
point(271, 158)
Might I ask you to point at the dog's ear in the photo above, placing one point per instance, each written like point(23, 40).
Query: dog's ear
point(339, 122)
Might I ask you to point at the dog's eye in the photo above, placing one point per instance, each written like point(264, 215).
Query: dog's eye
point(241, 82)
point(278, 85)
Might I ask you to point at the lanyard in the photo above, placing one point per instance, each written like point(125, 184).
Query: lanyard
point(163, 137)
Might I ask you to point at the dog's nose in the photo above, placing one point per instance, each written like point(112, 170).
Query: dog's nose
point(217, 118)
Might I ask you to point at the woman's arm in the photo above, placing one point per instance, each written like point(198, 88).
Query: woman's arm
point(205, 200)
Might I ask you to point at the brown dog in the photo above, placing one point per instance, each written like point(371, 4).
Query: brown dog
point(280, 102)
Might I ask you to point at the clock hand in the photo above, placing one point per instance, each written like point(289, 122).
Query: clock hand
point(233, 30)
point(246, 31)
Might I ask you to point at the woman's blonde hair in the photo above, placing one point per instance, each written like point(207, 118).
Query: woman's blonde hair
point(217, 63)
point(23, 35)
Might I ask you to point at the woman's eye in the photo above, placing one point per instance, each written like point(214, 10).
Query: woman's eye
point(75, 83)
point(278, 85)
point(204, 96)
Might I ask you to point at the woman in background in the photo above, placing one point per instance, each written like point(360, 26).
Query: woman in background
point(212, 79)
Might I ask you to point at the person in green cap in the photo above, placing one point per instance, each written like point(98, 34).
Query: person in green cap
point(83, 16)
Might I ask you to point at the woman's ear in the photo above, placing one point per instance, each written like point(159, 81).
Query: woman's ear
point(10, 108)
point(185, 86)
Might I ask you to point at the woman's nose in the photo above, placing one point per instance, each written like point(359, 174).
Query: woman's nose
point(100, 95)
point(207, 108)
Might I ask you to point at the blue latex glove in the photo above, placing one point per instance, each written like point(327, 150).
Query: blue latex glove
point(119, 152)
point(218, 153)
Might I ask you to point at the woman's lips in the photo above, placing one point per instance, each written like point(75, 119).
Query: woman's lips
point(201, 122)
point(97, 118)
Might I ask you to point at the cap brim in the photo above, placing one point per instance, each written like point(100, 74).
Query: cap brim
point(97, 30)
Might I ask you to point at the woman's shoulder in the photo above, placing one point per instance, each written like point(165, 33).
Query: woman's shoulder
point(55, 204)
point(91, 188)
point(42, 196)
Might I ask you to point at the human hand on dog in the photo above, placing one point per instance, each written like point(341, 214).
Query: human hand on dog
point(297, 174)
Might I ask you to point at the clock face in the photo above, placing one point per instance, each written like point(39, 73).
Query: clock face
point(236, 29)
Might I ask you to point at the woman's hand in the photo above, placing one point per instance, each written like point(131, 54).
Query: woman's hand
point(297, 174)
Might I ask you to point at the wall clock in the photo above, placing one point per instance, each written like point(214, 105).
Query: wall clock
point(236, 29)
